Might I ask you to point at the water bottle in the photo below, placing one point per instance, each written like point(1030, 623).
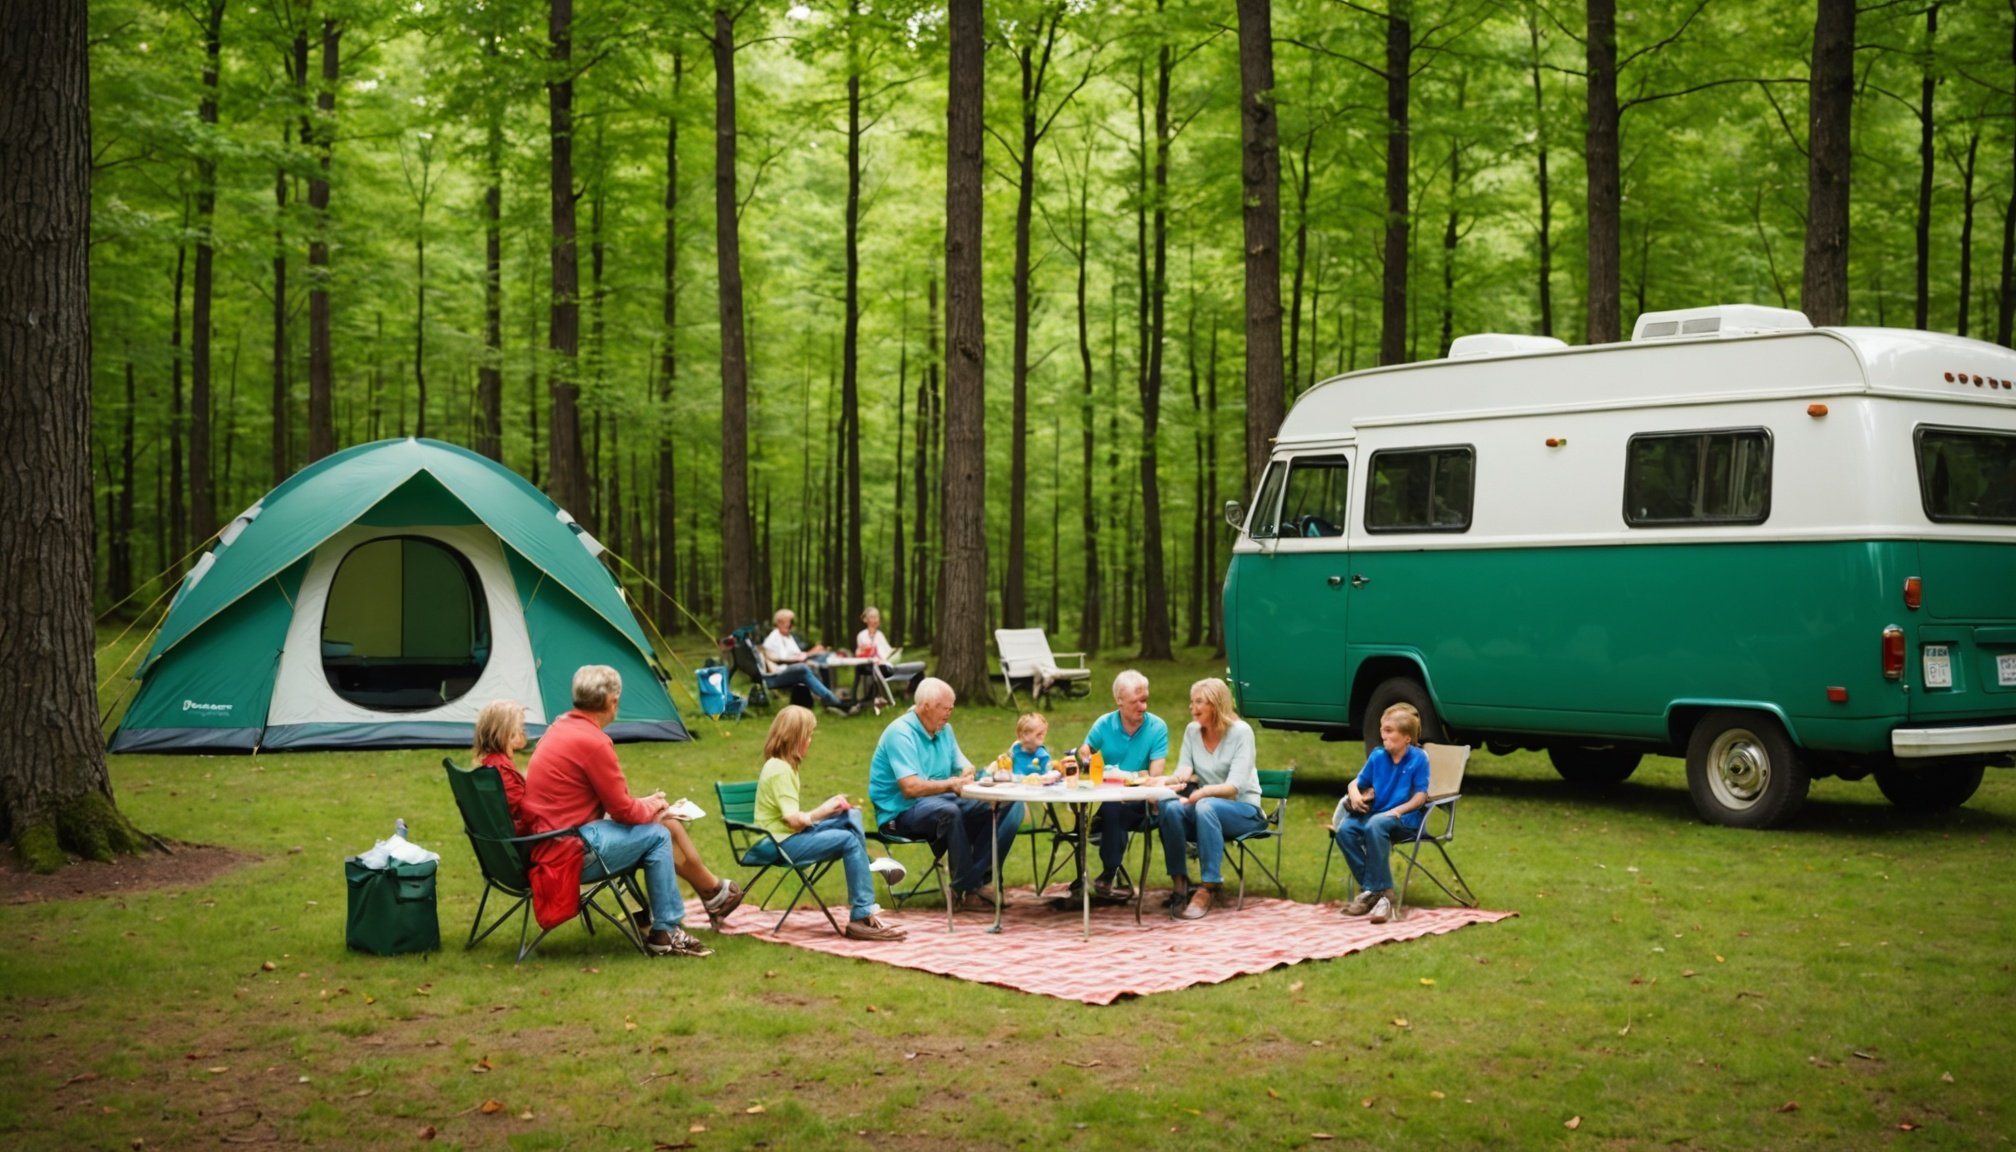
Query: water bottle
point(399, 828)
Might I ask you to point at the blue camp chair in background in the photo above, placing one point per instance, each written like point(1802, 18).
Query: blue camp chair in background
point(715, 698)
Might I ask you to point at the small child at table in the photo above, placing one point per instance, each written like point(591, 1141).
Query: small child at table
point(1029, 756)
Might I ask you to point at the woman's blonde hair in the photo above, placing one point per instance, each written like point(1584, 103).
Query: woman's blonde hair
point(1218, 695)
point(499, 721)
point(1027, 722)
point(787, 734)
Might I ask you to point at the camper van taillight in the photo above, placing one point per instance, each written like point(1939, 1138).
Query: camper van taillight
point(1914, 592)
point(1893, 653)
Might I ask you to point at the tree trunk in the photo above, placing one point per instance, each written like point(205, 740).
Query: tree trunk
point(928, 415)
point(962, 606)
point(2005, 318)
point(1216, 596)
point(1824, 289)
point(202, 501)
point(1089, 622)
point(899, 583)
point(490, 370)
point(321, 353)
point(1296, 277)
point(1967, 233)
point(1546, 237)
point(283, 431)
point(1399, 80)
point(120, 544)
point(566, 470)
point(1605, 195)
point(1260, 177)
point(1156, 641)
point(178, 428)
point(1194, 627)
point(55, 795)
point(738, 549)
point(1922, 284)
point(850, 351)
point(668, 367)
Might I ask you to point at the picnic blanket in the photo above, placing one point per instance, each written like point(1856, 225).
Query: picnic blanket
point(1044, 951)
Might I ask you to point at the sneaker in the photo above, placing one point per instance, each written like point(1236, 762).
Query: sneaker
point(980, 899)
point(1107, 890)
point(890, 869)
point(723, 903)
point(873, 928)
point(1382, 911)
point(1176, 899)
point(1199, 906)
point(674, 943)
point(1361, 903)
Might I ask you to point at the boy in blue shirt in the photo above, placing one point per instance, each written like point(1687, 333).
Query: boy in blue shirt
point(1386, 797)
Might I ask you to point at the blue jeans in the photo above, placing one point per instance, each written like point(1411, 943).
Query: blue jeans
point(1209, 822)
point(1116, 822)
point(834, 838)
point(1367, 841)
point(626, 847)
point(795, 675)
point(957, 826)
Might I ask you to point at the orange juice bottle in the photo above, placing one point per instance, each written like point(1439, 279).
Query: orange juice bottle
point(1098, 768)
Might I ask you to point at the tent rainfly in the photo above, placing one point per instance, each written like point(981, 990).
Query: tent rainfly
point(378, 599)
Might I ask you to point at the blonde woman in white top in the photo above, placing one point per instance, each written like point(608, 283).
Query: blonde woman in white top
point(1221, 797)
point(872, 642)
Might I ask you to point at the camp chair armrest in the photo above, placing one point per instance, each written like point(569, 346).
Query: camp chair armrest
point(1078, 656)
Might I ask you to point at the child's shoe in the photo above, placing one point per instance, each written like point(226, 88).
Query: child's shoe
point(1382, 910)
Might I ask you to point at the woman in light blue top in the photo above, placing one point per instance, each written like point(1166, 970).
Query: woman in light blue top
point(1222, 799)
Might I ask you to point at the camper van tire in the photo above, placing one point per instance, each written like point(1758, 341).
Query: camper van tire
point(1589, 766)
point(1743, 770)
point(1929, 790)
point(1402, 690)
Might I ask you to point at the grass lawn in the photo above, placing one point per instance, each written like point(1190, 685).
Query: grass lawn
point(1845, 982)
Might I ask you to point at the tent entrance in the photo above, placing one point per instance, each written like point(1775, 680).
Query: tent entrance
point(406, 627)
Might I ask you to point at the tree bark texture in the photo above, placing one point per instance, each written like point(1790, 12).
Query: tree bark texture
point(1156, 641)
point(1604, 183)
point(2005, 318)
point(202, 501)
point(668, 366)
point(1546, 236)
point(738, 552)
point(1927, 83)
point(566, 470)
point(1824, 287)
point(1260, 178)
point(850, 354)
point(54, 791)
point(1399, 82)
point(321, 351)
point(962, 606)
point(490, 371)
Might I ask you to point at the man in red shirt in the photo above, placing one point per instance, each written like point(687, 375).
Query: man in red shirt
point(574, 779)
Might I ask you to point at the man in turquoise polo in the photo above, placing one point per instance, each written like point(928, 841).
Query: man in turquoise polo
point(915, 781)
point(1130, 739)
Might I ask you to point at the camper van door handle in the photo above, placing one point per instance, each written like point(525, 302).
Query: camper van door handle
point(1336, 581)
point(1359, 580)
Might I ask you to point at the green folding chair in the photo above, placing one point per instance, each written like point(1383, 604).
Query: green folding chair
point(1275, 784)
point(890, 841)
point(1446, 763)
point(745, 837)
point(505, 860)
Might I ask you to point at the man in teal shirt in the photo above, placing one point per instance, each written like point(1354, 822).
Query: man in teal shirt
point(915, 782)
point(1131, 740)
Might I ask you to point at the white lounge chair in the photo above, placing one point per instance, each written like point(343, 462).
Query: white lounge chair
point(1025, 655)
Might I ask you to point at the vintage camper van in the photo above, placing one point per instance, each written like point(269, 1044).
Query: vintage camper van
point(1780, 551)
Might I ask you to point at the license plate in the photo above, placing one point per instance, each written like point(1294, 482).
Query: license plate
point(2005, 671)
point(1938, 666)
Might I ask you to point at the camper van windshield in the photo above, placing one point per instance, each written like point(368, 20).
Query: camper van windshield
point(1313, 498)
point(1967, 475)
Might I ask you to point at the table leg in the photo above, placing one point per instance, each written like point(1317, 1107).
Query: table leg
point(1141, 881)
point(1084, 882)
point(994, 855)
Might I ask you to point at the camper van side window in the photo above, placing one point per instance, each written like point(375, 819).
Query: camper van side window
point(1680, 478)
point(1421, 490)
point(1261, 525)
point(1967, 475)
point(1317, 492)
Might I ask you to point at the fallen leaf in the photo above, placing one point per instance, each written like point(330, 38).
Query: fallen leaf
point(427, 1132)
point(662, 1146)
point(1906, 1126)
point(482, 1065)
point(1084, 1063)
point(218, 1069)
point(1946, 1076)
point(1436, 1095)
point(370, 999)
point(1295, 987)
point(82, 1078)
point(1864, 1056)
point(1426, 982)
point(1273, 1095)
point(268, 966)
point(1365, 1103)
point(629, 1025)
point(1572, 1123)
point(753, 1110)
point(1719, 960)
point(525, 1115)
point(1686, 972)
point(1624, 1031)
point(1789, 1106)
point(696, 1128)
point(872, 1008)
point(1399, 1022)
point(361, 1093)
point(491, 1107)
point(1321, 1136)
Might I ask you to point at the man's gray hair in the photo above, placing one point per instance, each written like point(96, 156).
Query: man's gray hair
point(594, 685)
point(1126, 682)
point(779, 616)
point(932, 690)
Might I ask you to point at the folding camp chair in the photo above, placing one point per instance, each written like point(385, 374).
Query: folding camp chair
point(1275, 784)
point(738, 818)
point(890, 841)
point(745, 661)
point(505, 862)
point(1025, 655)
point(1445, 787)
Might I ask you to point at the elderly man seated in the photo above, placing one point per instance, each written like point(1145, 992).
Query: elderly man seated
point(788, 666)
point(915, 782)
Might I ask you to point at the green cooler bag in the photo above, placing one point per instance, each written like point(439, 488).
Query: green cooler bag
point(392, 909)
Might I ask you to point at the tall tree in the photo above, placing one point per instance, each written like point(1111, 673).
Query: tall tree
point(566, 469)
point(1260, 177)
point(962, 605)
point(1831, 98)
point(419, 172)
point(1156, 640)
point(55, 795)
point(1399, 77)
point(202, 501)
point(1604, 183)
point(738, 553)
point(321, 347)
point(668, 358)
point(1928, 83)
point(490, 369)
point(1542, 189)
point(2005, 318)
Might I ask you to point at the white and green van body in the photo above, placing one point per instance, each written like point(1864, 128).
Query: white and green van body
point(1782, 551)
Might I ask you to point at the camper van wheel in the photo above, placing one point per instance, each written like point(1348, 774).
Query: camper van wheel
point(1593, 767)
point(1743, 771)
point(1401, 690)
point(1930, 789)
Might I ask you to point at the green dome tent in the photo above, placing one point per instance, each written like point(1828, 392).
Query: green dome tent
point(378, 599)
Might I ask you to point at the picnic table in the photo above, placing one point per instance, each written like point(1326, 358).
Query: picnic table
point(1067, 792)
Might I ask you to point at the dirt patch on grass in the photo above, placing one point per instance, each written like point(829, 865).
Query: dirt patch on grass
point(185, 866)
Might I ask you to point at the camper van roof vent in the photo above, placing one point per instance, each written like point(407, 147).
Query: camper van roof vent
point(1719, 321)
point(1499, 344)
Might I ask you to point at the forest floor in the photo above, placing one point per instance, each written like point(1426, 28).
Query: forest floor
point(1846, 981)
